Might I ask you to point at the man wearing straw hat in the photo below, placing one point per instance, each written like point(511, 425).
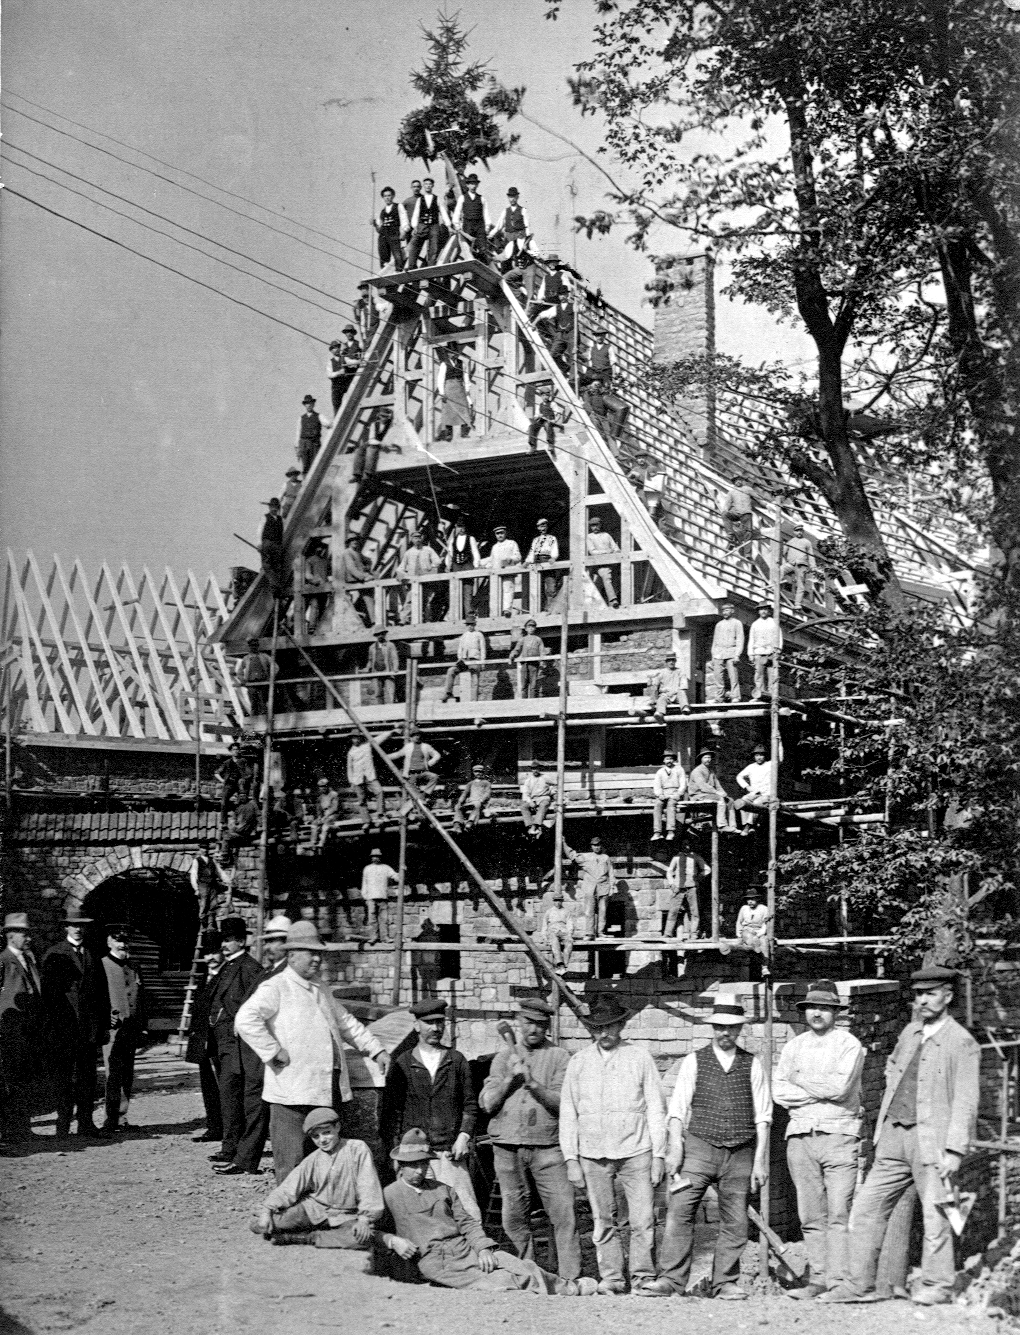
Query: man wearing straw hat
point(522, 1098)
point(719, 1115)
point(298, 1030)
point(613, 1136)
point(430, 1224)
point(20, 1028)
point(819, 1080)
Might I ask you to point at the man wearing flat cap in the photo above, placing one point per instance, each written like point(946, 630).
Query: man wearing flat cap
point(298, 1030)
point(613, 1137)
point(925, 1126)
point(127, 1023)
point(430, 1087)
point(522, 1098)
point(719, 1115)
point(427, 1222)
point(819, 1080)
point(20, 1028)
point(77, 1008)
point(505, 552)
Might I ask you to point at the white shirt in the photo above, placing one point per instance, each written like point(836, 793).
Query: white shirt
point(534, 787)
point(501, 220)
point(430, 1058)
point(669, 782)
point(819, 1080)
point(757, 778)
point(765, 637)
point(687, 1079)
point(612, 1105)
point(504, 553)
point(423, 201)
point(360, 764)
point(471, 647)
point(376, 879)
point(418, 561)
point(544, 544)
point(755, 918)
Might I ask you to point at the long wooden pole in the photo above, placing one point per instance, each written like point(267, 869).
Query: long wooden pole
point(267, 757)
point(561, 740)
point(8, 738)
point(410, 701)
point(411, 792)
point(715, 882)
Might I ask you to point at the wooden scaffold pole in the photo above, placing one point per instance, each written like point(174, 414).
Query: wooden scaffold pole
point(267, 760)
point(411, 697)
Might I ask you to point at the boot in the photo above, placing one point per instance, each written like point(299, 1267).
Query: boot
point(293, 1239)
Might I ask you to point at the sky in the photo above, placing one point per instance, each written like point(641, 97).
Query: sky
point(143, 416)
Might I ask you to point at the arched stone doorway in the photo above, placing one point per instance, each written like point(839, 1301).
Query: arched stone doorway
point(159, 906)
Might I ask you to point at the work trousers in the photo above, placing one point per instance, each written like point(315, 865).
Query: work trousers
point(390, 248)
point(535, 430)
point(764, 675)
point(665, 698)
point(740, 528)
point(377, 919)
point(593, 910)
point(386, 690)
point(286, 1122)
point(427, 236)
point(425, 782)
point(454, 1172)
point(294, 1219)
point(529, 681)
point(799, 571)
point(75, 1079)
point(717, 668)
point(898, 1162)
point(520, 1166)
point(823, 1165)
point(364, 788)
point(561, 946)
point(687, 897)
point(725, 817)
point(634, 1176)
point(668, 806)
point(729, 1171)
point(209, 1081)
point(231, 1103)
point(119, 1065)
point(454, 672)
point(749, 804)
point(534, 813)
point(471, 812)
point(604, 575)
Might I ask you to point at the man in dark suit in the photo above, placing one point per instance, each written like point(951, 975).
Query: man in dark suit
point(20, 1029)
point(201, 1047)
point(127, 1023)
point(77, 1007)
point(248, 1153)
point(233, 982)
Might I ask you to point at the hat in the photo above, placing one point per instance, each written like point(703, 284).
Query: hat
point(669, 755)
point(348, 329)
point(727, 1012)
point(363, 285)
point(471, 180)
point(120, 931)
point(822, 993)
point(375, 853)
point(273, 502)
point(481, 767)
point(236, 929)
point(16, 922)
point(471, 617)
point(211, 942)
point(320, 782)
point(430, 1006)
point(499, 528)
point(541, 521)
point(932, 973)
point(293, 472)
point(600, 332)
point(308, 398)
point(536, 764)
point(413, 1147)
point(706, 751)
point(513, 190)
point(305, 936)
point(760, 750)
point(334, 344)
point(278, 926)
point(535, 1008)
point(379, 630)
point(75, 918)
point(669, 656)
point(764, 607)
point(606, 1011)
point(319, 1117)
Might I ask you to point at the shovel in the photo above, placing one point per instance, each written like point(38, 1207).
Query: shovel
point(957, 1205)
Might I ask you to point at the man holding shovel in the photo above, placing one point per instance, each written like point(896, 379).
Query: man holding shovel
point(925, 1126)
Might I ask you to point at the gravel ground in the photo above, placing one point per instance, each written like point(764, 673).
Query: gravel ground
point(138, 1233)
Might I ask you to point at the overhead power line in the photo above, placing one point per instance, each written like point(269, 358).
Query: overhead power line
point(173, 223)
point(97, 148)
point(295, 222)
point(9, 190)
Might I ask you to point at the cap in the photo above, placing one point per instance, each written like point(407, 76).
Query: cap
point(308, 397)
point(499, 528)
point(670, 656)
point(760, 750)
point(606, 1011)
point(348, 329)
point(535, 1008)
point(602, 331)
point(379, 630)
point(531, 622)
point(278, 926)
point(16, 922)
point(236, 929)
point(334, 344)
point(75, 918)
point(481, 767)
point(413, 1147)
point(727, 1012)
point(375, 853)
point(120, 931)
point(323, 783)
point(430, 1006)
point(764, 607)
point(552, 258)
point(541, 521)
point(536, 764)
point(932, 973)
point(823, 993)
point(293, 472)
point(319, 1117)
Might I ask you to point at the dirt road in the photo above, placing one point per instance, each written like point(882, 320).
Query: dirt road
point(138, 1234)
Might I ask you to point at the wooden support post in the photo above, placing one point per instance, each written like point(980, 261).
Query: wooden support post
point(1003, 1137)
point(410, 703)
point(267, 757)
point(715, 880)
point(8, 740)
point(561, 739)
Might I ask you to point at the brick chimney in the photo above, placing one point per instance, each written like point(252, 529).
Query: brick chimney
point(683, 296)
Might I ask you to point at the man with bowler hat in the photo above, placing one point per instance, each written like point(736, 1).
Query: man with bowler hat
point(613, 1137)
point(20, 1028)
point(77, 1007)
point(819, 1080)
point(522, 1098)
point(201, 1047)
point(430, 1087)
point(925, 1126)
point(309, 437)
point(233, 981)
point(719, 1115)
point(127, 1023)
point(271, 546)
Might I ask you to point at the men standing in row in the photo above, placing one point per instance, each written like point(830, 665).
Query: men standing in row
point(727, 646)
point(819, 1080)
point(20, 1029)
point(925, 1126)
point(391, 226)
point(127, 1024)
point(536, 799)
point(522, 1097)
point(427, 221)
point(238, 974)
point(298, 1031)
point(471, 216)
point(764, 644)
point(719, 1114)
point(429, 1086)
point(668, 789)
point(594, 886)
point(613, 1137)
point(376, 878)
point(77, 1007)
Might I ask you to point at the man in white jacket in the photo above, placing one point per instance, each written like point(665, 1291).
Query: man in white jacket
point(764, 644)
point(298, 1030)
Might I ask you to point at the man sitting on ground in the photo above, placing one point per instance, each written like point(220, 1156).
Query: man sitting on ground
point(333, 1198)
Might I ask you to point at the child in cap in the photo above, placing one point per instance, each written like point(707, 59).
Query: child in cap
point(333, 1198)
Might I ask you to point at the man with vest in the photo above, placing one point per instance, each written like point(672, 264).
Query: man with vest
point(522, 1097)
point(348, 357)
point(819, 1080)
point(511, 229)
point(127, 1024)
point(718, 1120)
point(427, 223)
point(925, 1126)
point(310, 426)
point(77, 1007)
point(471, 217)
point(559, 320)
point(462, 554)
point(382, 657)
point(680, 892)
point(409, 206)
point(391, 226)
point(600, 371)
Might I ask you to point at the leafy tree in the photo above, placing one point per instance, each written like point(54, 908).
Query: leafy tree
point(452, 122)
point(868, 159)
